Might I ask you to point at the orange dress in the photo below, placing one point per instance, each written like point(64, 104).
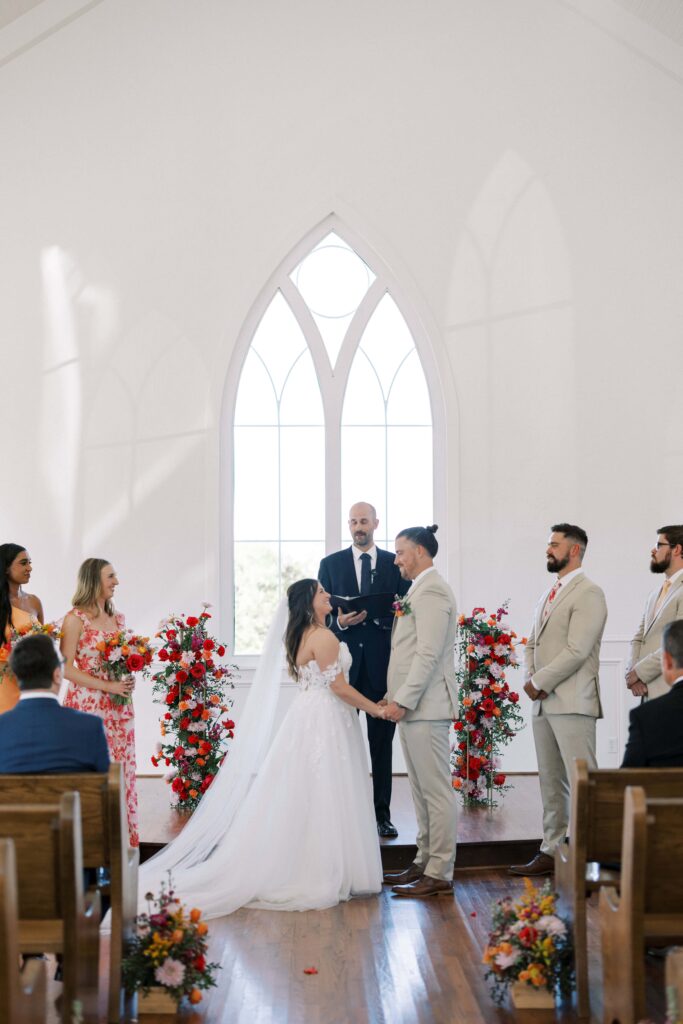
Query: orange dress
point(9, 689)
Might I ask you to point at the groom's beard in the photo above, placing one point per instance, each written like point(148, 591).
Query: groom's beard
point(557, 564)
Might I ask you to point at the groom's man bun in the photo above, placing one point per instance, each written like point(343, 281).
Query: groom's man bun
point(424, 536)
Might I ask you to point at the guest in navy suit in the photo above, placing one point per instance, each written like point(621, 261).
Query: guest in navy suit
point(38, 735)
point(366, 569)
point(655, 738)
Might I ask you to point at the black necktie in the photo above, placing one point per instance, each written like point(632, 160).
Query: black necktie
point(365, 575)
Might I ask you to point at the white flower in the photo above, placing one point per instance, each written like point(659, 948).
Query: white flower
point(186, 659)
point(496, 670)
point(115, 655)
point(205, 604)
point(481, 651)
point(158, 746)
point(500, 650)
point(552, 925)
point(507, 959)
point(171, 973)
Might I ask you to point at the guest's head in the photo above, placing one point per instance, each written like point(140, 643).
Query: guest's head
point(416, 548)
point(95, 586)
point(667, 554)
point(566, 547)
point(15, 570)
point(36, 663)
point(309, 605)
point(672, 651)
point(363, 522)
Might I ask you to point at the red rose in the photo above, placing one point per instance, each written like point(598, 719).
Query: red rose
point(220, 651)
point(200, 963)
point(513, 698)
point(197, 670)
point(168, 716)
point(135, 662)
point(499, 779)
point(230, 724)
point(170, 697)
point(179, 752)
point(487, 691)
point(470, 716)
point(174, 656)
point(209, 644)
point(192, 621)
point(527, 936)
point(458, 726)
point(206, 782)
point(163, 654)
point(181, 676)
point(171, 634)
point(177, 784)
point(184, 722)
point(193, 739)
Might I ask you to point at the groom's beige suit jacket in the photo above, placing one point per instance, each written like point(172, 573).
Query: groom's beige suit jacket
point(562, 655)
point(646, 646)
point(421, 673)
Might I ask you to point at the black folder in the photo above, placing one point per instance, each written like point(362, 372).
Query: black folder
point(378, 606)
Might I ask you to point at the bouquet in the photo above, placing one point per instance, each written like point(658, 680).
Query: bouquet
point(529, 943)
point(125, 654)
point(196, 724)
point(18, 632)
point(169, 949)
point(488, 715)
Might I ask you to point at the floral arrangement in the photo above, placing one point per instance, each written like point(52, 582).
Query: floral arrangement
point(18, 632)
point(529, 943)
point(196, 724)
point(169, 949)
point(488, 713)
point(401, 606)
point(125, 654)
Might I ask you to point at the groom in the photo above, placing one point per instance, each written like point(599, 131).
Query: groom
point(421, 695)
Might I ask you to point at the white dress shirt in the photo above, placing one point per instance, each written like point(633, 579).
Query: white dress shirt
point(357, 562)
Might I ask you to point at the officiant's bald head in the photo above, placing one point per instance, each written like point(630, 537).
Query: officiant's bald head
point(363, 522)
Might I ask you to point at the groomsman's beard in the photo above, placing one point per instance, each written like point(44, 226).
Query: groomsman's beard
point(660, 566)
point(557, 564)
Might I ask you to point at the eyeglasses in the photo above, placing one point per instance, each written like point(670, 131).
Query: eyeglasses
point(663, 544)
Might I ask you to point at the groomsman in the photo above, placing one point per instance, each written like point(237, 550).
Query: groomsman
point(655, 738)
point(364, 568)
point(562, 659)
point(665, 604)
point(422, 697)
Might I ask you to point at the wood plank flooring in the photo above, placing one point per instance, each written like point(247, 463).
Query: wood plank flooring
point(382, 960)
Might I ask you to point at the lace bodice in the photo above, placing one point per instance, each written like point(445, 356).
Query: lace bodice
point(312, 677)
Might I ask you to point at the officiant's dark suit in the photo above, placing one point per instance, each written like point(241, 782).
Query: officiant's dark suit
point(370, 645)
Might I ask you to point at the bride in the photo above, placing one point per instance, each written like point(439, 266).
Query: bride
point(288, 823)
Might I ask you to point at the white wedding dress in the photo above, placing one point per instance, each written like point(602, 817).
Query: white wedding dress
point(303, 836)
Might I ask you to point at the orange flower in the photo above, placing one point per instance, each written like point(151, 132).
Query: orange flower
point(205, 715)
point(496, 712)
point(183, 705)
point(200, 761)
point(194, 793)
point(214, 698)
point(125, 650)
point(177, 935)
point(467, 701)
point(457, 783)
point(101, 646)
point(470, 648)
point(202, 928)
point(195, 915)
point(195, 996)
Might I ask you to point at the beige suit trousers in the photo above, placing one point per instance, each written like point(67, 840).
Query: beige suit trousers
point(559, 739)
point(426, 751)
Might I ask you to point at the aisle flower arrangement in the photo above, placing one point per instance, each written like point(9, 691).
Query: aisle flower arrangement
point(50, 629)
point(196, 725)
point(488, 712)
point(530, 944)
point(124, 654)
point(169, 950)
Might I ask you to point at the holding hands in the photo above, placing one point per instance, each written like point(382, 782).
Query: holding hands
point(390, 712)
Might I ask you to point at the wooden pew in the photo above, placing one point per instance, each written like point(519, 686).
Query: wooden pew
point(22, 991)
point(105, 844)
point(595, 832)
point(54, 916)
point(650, 905)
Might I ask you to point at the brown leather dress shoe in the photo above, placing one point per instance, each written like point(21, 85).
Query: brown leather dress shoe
point(542, 864)
point(410, 874)
point(425, 887)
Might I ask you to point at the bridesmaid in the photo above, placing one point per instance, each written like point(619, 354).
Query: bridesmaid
point(93, 614)
point(17, 608)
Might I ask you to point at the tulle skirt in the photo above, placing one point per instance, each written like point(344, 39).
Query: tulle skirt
point(306, 836)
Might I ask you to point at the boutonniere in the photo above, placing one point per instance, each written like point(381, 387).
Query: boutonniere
point(401, 606)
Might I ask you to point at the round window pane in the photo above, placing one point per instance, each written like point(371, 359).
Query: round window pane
point(332, 281)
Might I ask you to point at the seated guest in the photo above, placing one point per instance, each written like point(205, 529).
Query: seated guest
point(39, 735)
point(655, 738)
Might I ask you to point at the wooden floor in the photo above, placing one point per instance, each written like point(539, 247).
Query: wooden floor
point(382, 960)
point(509, 834)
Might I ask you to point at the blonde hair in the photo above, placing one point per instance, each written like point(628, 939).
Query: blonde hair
point(89, 584)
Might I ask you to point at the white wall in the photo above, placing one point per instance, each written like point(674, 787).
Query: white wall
point(517, 166)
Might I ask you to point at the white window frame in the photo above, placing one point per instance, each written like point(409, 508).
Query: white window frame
point(332, 386)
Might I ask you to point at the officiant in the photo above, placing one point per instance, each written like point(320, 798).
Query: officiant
point(364, 570)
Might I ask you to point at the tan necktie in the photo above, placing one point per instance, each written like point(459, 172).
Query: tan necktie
point(666, 587)
point(549, 603)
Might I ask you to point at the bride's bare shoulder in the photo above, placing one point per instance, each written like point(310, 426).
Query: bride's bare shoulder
point(323, 641)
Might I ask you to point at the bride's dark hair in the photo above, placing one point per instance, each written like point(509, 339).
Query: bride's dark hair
point(300, 603)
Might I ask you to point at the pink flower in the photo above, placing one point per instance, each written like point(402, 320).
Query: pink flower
point(171, 973)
